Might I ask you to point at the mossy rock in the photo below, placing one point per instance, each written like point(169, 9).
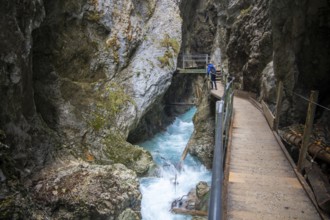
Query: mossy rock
point(133, 157)
point(245, 11)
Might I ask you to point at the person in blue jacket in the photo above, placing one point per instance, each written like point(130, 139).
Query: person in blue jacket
point(211, 71)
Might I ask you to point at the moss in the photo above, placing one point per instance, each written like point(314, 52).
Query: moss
point(97, 122)
point(151, 8)
point(109, 107)
point(165, 60)
point(120, 151)
point(112, 44)
point(245, 11)
point(170, 43)
point(94, 16)
point(7, 206)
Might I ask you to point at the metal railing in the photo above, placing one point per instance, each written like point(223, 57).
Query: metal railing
point(224, 111)
point(193, 60)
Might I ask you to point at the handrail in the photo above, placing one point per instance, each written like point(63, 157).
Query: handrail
point(193, 60)
point(217, 171)
point(224, 110)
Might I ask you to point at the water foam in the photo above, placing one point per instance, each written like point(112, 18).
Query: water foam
point(166, 149)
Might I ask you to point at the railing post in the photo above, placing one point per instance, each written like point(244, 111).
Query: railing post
point(278, 105)
point(215, 203)
point(183, 61)
point(307, 129)
point(207, 61)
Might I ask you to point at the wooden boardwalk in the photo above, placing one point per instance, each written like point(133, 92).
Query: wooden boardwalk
point(261, 183)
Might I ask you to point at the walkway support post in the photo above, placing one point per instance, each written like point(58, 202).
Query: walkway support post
point(215, 203)
point(307, 129)
point(278, 105)
point(183, 61)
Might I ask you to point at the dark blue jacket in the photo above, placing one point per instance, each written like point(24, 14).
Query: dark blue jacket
point(209, 68)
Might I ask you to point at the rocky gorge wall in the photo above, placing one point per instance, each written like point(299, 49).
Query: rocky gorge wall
point(301, 47)
point(262, 42)
point(76, 77)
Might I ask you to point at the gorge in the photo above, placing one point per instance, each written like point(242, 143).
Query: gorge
point(82, 82)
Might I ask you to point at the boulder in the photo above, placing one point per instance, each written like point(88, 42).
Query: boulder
point(79, 190)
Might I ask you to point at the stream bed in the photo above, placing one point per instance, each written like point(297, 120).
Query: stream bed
point(170, 183)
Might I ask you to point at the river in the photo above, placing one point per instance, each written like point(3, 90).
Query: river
point(166, 148)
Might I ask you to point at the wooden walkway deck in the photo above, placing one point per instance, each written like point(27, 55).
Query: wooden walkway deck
point(262, 184)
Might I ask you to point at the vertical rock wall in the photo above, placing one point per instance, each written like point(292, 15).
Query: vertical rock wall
point(301, 53)
point(76, 77)
point(18, 117)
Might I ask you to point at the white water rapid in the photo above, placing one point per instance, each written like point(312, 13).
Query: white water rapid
point(166, 149)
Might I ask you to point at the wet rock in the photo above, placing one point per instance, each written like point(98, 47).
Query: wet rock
point(268, 86)
point(201, 189)
point(128, 214)
point(79, 190)
point(203, 194)
point(201, 143)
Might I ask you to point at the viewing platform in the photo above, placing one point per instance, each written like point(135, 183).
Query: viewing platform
point(193, 63)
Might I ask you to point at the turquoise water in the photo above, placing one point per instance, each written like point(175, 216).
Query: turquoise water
point(166, 148)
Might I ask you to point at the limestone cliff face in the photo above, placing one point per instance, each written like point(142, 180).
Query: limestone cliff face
point(99, 68)
point(76, 77)
point(249, 48)
point(301, 53)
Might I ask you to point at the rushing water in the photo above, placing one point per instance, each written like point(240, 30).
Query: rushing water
point(166, 149)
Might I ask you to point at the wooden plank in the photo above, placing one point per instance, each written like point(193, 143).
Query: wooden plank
point(307, 130)
point(191, 71)
point(245, 94)
point(278, 105)
point(268, 114)
point(262, 184)
point(300, 178)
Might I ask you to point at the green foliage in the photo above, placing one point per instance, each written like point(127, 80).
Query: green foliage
point(94, 16)
point(116, 99)
point(108, 107)
point(119, 151)
point(170, 43)
point(151, 8)
point(165, 60)
point(97, 122)
point(246, 11)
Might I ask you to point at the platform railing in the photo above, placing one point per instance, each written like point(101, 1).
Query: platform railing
point(193, 60)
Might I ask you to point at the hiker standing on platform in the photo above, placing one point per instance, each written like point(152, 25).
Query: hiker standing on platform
point(211, 71)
